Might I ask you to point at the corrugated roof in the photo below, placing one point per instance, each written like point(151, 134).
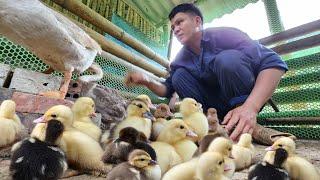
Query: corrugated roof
point(157, 10)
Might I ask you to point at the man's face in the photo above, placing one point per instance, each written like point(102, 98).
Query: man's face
point(184, 26)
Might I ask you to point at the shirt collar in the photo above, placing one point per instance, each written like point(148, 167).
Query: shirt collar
point(205, 36)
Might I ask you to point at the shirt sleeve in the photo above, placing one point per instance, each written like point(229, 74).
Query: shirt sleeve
point(263, 57)
point(168, 84)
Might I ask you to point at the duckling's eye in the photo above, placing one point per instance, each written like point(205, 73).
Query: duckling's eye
point(280, 145)
point(220, 162)
point(142, 159)
point(139, 105)
point(181, 127)
point(92, 105)
point(53, 115)
point(229, 149)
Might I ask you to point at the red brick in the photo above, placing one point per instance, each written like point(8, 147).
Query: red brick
point(29, 103)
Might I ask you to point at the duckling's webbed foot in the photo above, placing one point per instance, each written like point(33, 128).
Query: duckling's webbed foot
point(70, 173)
point(5, 152)
point(102, 171)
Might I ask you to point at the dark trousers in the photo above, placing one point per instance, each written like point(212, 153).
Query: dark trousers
point(235, 80)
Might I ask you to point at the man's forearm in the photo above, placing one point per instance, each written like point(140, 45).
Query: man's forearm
point(264, 87)
point(156, 87)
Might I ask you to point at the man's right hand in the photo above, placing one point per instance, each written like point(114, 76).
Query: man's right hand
point(136, 78)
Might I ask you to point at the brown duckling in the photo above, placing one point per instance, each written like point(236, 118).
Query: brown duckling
point(214, 126)
point(162, 114)
point(129, 139)
point(140, 166)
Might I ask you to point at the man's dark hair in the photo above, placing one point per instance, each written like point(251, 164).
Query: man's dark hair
point(186, 8)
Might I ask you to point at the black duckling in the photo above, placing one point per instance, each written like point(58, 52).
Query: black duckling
point(129, 139)
point(41, 160)
point(267, 171)
point(139, 166)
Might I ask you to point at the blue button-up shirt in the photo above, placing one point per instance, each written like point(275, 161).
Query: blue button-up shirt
point(215, 40)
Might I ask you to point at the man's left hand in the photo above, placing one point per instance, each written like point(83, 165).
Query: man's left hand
point(243, 118)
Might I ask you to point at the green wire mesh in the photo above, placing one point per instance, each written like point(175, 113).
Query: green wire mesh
point(298, 94)
point(300, 131)
point(161, 49)
point(274, 20)
point(18, 57)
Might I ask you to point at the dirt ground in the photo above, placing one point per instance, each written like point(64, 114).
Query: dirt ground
point(306, 148)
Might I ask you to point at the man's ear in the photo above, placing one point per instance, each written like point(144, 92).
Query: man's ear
point(198, 21)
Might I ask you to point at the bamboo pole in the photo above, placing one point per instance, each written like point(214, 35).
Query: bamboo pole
point(130, 66)
point(81, 10)
point(121, 52)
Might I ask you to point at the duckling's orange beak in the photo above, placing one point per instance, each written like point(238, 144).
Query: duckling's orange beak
point(152, 106)
point(231, 156)
point(39, 120)
point(191, 134)
point(270, 148)
point(226, 168)
point(152, 162)
point(93, 114)
point(149, 116)
point(170, 114)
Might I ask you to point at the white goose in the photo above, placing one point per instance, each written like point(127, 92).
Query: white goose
point(52, 37)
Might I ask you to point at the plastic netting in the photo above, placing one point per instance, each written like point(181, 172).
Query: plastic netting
point(298, 94)
point(18, 57)
point(136, 33)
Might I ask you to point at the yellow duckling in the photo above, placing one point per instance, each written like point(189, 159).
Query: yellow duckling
point(162, 114)
point(193, 116)
point(147, 100)
point(167, 157)
point(243, 152)
point(10, 124)
point(83, 152)
point(83, 109)
point(140, 166)
point(176, 133)
point(139, 117)
point(297, 167)
point(209, 166)
point(224, 146)
point(53, 38)
point(183, 171)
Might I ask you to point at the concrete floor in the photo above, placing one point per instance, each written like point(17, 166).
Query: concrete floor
point(306, 148)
